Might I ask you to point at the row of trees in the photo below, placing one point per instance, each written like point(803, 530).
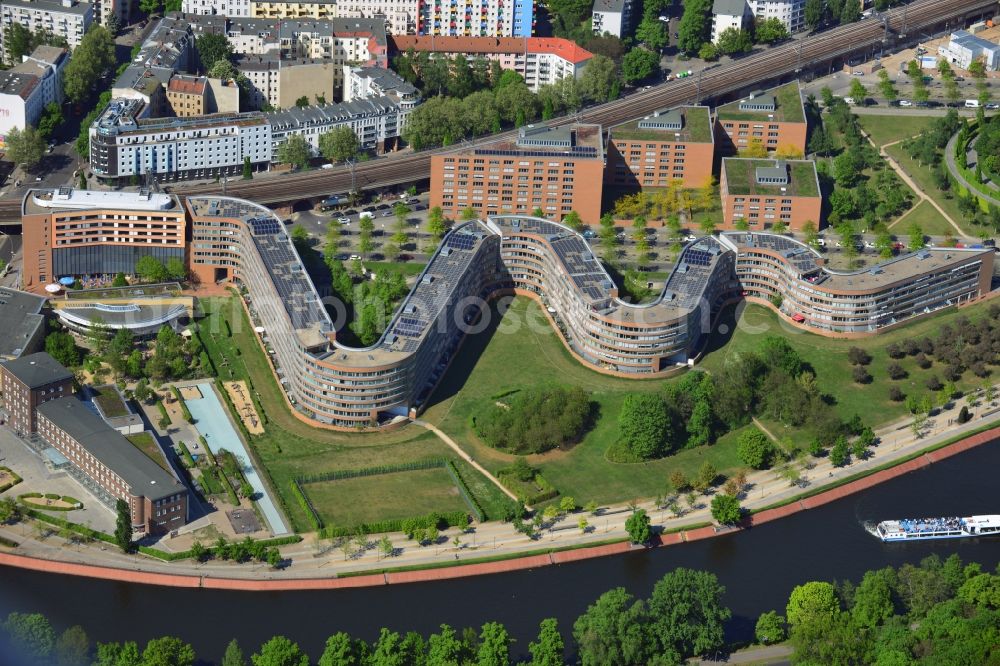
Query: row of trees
point(340, 144)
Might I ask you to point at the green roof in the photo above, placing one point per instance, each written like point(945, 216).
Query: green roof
point(144, 442)
point(788, 107)
point(741, 177)
point(697, 128)
point(110, 402)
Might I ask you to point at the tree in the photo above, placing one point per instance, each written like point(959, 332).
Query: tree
point(637, 527)
point(340, 650)
point(813, 12)
point(810, 235)
point(494, 645)
point(653, 33)
point(168, 651)
point(708, 52)
point(213, 47)
point(733, 41)
point(62, 347)
point(916, 237)
point(25, 147)
point(599, 78)
point(695, 25)
point(755, 149)
point(10, 512)
point(838, 454)
point(123, 527)
point(886, 86)
point(247, 169)
point(51, 119)
point(176, 269)
point(686, 612)
point(150, 269)
point(873, 603)
point(339, 144)
point(613, 630)
point(549, 649)
point(639, 64)
point(770, 30)
point(151, 6)
point(850, 12)
point(73, 647)
point(279, 651)
point(726, 509)
point(91, 61)
point(295, 151)
point(31, 633)
point(573, 221)
point(812, 602)
point(644, 425)
point(755, 449)
point(234, 655)
point(858, 91)
point(19, 42)
point(770, 628)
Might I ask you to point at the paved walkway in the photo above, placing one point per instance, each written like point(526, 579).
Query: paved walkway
point(949, 156)
point(761, 654)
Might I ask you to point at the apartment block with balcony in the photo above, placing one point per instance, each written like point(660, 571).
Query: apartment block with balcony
point(612, 17)
point(758, 194)
point(667, 147)
point(775, 119)
point(555, 170)
point(62, 18)
point(476, 18)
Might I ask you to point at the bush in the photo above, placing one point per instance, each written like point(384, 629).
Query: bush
point(860, 374)
point(894, 351)
point(933, 383)
point(895, 371)
point(858, 356)
point(963, 415)
point(755, 449)
point(922, 361)
point(896, 394)
point(644, 425)
point(537, 419)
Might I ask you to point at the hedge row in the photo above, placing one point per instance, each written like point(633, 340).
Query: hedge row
point(10, 543)
point(186, 554)
point(50, 496)
point(210, 482)
point(337, 475)
point(15, 479)
point(185, 412)
point(76, 527)
point(208, 451)
point(228, 486)
point(548, 491)
point(186, 454)
point(467, 495)
point(306, 505)
point(441, 520)
point(163, 410)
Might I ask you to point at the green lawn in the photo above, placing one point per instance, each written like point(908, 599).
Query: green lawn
point(406, 268)
point(929, 219)
point(828, 357)
point(886, 129)
point(504, 358)
point(144, 442)
point(368, 499)
point(290, 448)
point(921, 175)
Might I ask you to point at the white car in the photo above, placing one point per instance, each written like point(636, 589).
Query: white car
point(849, 101)
point(344, 220)
point(905, 102)
point(355, 257)
point(821, 242)
point(690, 238)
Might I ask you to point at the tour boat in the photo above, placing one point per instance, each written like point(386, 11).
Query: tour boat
point(915, 529)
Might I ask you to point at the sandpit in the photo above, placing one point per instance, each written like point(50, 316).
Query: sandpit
point(240, 396)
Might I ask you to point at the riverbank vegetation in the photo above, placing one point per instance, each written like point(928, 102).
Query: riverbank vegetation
point(940, 611)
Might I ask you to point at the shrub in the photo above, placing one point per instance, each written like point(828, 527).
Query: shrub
point(537, 419)
point(755, 449)
point(963, 415)
point(896, 394)
point(861, 375)
point(894, 351)
point(922, 361)
point(933, 383)
point(952, 372)
point(895, 371)
point(858, 356)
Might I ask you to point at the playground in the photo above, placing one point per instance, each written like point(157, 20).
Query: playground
point(240, 397)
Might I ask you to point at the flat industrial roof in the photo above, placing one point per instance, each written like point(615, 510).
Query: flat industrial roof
point(788, 100)
point(741, 177)
point(142, 475)
point(44, 201)
point(696, 127)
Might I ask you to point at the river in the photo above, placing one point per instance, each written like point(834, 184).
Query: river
point(758, 567)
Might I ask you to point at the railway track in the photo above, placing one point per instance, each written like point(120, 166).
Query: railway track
point(769, 64)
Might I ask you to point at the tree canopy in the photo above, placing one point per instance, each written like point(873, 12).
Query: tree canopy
point(93, 59)
point(339, 144)
point(536, 419)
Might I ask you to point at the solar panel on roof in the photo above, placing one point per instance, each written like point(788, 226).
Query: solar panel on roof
point(461, 242)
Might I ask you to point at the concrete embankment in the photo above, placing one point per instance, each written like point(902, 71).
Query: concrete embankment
point(461, 570)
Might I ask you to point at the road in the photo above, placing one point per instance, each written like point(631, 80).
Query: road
point(784, 60)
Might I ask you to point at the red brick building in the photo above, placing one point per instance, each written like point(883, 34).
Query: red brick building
point(28, 382)
point(668, 146)
point(776, 118)
point(763, 192)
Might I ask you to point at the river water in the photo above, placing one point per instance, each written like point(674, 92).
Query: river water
point(758, 567)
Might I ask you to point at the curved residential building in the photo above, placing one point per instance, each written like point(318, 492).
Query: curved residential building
point(331, 383)
point(772, 267)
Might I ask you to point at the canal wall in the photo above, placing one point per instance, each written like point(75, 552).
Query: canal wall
point(514, 563)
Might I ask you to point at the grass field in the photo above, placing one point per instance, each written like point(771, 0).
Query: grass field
point(290, 448)
point(921, 175)
point(886, 129)
point(929, 219)
point(145, 443)
point(366, 499)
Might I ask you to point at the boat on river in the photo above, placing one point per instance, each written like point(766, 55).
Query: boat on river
point(916, 529)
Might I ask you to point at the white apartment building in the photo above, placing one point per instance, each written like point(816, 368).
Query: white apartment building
point(25, 90)
point(63, 18)
point(124, 143)
point(789, 12)
point(375, 121)
point(613, 17)
point(231, 8)
point(540, 60)
point(400, 15)
point(369, 82)
point(728, 14)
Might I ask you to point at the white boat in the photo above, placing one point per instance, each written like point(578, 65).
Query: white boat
point(916, 529)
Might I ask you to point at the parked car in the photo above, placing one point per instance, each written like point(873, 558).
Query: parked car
point(419, 207)
point(384, 206)
point(690, 238)
point(355, 257)
point(589, 234)
point(993, 106)
point(344, 220)
point(413, 200)
point(858, 72)
point(387, 213)
point(905, 102)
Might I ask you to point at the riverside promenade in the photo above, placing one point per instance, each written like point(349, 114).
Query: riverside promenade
point(314, 564)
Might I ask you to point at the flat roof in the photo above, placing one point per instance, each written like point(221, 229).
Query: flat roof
point(21, 84)
point(44, 201)
point(142, 475)
point(696, 127)
point(52, 6)
point(38, 369)
point(564, 48)
point(741, 177)
point(788, 101)
point(20, 319)
point(585, 140)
